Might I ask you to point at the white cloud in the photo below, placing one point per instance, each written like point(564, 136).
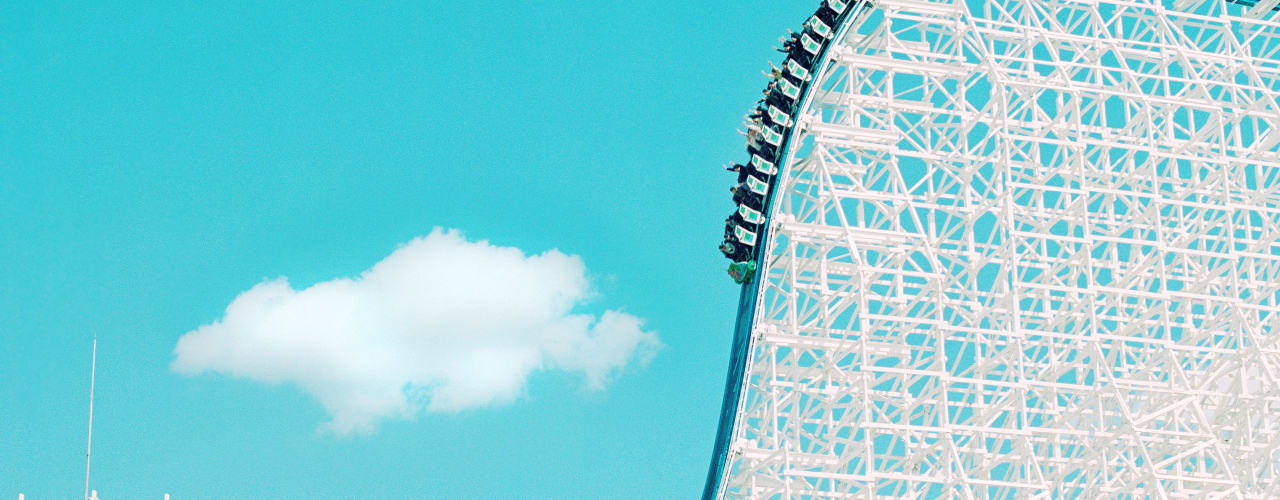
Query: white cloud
point(442, 324)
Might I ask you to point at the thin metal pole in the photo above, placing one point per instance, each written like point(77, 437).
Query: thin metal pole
point(89, 448)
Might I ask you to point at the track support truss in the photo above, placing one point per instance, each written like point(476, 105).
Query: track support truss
point(1023, 249)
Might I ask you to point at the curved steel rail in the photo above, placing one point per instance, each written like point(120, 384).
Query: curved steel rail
point(752, 291)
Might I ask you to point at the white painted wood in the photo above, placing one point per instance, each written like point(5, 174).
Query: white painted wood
point(1031, 251)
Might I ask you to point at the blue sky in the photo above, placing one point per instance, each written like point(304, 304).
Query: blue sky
point(159, 159)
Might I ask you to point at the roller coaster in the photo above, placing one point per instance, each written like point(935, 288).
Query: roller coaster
point(1009, 249)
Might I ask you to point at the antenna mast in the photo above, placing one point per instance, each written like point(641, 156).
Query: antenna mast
point(89, 448)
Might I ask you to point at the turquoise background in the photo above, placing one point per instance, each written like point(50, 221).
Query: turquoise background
point(159, 158)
